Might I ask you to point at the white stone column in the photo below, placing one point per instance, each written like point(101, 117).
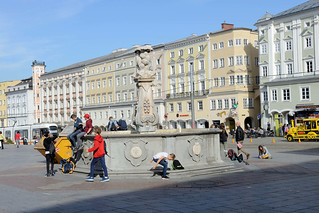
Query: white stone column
point(316, 42)
point(71, 94)
point(282, 50)
point(65, 115)
point(59, 102)
point(271, 62)
point(77, 102)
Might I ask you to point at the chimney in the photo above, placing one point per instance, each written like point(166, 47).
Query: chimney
point(226, 26)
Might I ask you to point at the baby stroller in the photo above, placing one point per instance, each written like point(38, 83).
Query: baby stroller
point(233, 156)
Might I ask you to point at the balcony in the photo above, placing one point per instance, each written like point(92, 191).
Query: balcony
point(188, 94)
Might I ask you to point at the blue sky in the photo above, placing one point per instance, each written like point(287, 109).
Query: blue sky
point(63, 32)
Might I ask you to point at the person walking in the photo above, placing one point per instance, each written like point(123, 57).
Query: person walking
point(49, 146)
point(240, 135)
point(223, 136)
point(2, 139)
point(87, 130)
point(78, 127)
point(17, 139)
point(98, 155)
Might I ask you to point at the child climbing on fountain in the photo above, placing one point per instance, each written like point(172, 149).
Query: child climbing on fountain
point(160, 158)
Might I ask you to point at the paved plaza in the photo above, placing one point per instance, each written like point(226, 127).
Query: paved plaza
point(287, 183)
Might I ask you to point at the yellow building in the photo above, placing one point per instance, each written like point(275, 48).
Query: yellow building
point(234, 94)
point(187, 64)
point(3, 101)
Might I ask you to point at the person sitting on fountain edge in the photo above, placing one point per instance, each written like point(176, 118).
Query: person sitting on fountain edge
point(160, 158)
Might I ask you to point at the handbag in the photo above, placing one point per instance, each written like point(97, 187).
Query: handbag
point(239, 145)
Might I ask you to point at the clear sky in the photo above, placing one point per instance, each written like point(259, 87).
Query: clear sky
point(64, 32)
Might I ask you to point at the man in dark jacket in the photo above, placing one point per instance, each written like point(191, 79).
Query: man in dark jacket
point(240, 135)
point(78, 127)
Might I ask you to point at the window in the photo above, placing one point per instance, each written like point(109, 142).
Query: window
point(132, 95)
point(278, 69)
point(98, 84)
point(158, 61)
point(286, 94)
point(117, 66)
point(190, 50)
point(98, 99)
point(288, 28)
point(159, 92)
point(289, 68)
point(172, 54)
point(118, 81)
point(173, 89)
point(104, 83)
point(232, 102)
point(124, 80)
point(245, 42)
point(215, 82)
point(231, 61)
point(131, 63)
point(221, 45)
point(215, 63)
point(89, 100)
point(181, 68)
point(191, 66)
point(110, 98)
point(201, 48)
point(246, 60)
point(189, 106)
point(226, 103)
point(124, 64)
point(230, 43)
point(110, 83)
point(239, 60)
point(215, 46)
point(231, 80)
point(159, 76)
point(265, 71)
point(181, 52)
point(222, 62)
point(110, 67)
point(88, 86)
point(305, 93)
point(265, 96)
point(93, 86)
point(263, 49)
point(262, 32)
point(247, 79)
point(125, 96)
point(277, 47)
point(98, 70)
point(172, 69)
point(256, 61)
point(274, 96)
point(104, 98)
point(248, 103)
point(222, 81)
point(238, 42)
point(201, 65)
point(308, 42)
point(131, 79)
point(219, 104)
point(213, 104)
point(200, 105)
point(240, 79)
point(309, 67)
point(288, 45)
point(179, 107)
point(181, 87)
point(118, 97)
point(107, 115)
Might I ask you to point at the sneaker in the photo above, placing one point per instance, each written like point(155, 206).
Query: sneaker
point(89, 179)
point(165, 178)
point(248, 156)
point(105, 179)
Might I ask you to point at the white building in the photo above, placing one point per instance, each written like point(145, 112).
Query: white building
point(289, 64)
point(20, 103)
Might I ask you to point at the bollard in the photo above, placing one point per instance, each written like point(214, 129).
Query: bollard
point(251, 140)
point(299, 141)
point(273, 140)
point(233, 140)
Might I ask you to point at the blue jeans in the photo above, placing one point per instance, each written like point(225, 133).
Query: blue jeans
point(163, 163)
point(71, 137)
point(94, 161)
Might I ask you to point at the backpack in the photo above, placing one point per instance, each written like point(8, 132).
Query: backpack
point(232, 155)
point(52, 148)
point(176, 165)
point(122, 124)
point(67, 166)
point(113, 127)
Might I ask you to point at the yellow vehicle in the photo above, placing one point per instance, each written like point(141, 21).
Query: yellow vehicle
point(307, 129)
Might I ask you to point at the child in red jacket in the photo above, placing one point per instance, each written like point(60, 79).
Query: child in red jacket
point(98, 155)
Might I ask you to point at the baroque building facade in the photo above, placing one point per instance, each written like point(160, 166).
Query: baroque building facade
point(289, 64)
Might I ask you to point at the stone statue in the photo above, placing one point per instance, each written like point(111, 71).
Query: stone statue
point(144, 117)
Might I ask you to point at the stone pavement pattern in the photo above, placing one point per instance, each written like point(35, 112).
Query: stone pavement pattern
point(287, 183)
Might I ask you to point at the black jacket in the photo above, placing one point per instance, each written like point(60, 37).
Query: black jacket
point(46, 143)
point(223, 137)
point(240, 135)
